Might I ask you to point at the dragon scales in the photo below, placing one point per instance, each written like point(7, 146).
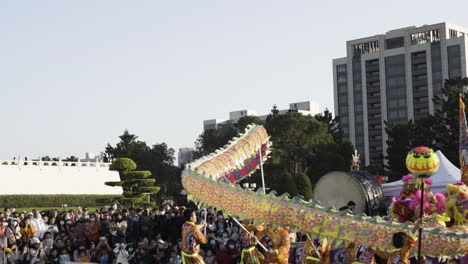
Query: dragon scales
point(211, 181)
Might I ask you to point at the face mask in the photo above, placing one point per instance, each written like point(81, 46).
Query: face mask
point(130, 249)
point(231, 246)
point(224, 235)
point(92, 219)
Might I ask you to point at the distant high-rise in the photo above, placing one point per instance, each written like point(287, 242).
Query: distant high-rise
point(394, 77)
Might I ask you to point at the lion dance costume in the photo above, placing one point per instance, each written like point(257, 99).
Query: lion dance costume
point(277, 241)
point(250, 254)
point(312, 247)
point(192, 237)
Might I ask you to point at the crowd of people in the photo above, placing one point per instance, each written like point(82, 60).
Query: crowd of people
point(108, 235)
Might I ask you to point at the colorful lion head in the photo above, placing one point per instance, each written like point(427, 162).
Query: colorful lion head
point(456, 204)
point(422, 161)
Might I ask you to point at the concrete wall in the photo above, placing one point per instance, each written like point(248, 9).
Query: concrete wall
point(63, 178)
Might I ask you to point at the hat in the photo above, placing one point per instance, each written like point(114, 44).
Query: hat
point(35, 240)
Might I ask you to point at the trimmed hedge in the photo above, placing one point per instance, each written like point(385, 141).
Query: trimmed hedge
point(54, 200)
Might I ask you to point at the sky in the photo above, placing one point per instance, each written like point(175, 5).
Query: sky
point(75, 74)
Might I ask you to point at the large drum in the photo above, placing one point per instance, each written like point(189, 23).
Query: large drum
point(339, 188)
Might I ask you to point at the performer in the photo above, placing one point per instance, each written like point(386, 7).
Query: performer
point(313, 248)
point(360, 254)
point(192, 237)
point(403, 244)
point(250, 254)
point(278, 243)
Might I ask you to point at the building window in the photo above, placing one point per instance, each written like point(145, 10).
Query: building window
point(341, 68)
point(425, 37)
point(367, 47)
point(394, 43)
point(454, 61)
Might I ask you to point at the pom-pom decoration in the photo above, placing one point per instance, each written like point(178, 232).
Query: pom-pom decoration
point(422, 162)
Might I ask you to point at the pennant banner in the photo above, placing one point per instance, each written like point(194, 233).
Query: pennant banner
point(463, 151)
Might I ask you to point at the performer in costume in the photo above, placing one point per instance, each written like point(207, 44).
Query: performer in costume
point(278, 243)
point(403, 244)
point(250, 254)
point(312, 247)
point(360, 254)
point(192, 237)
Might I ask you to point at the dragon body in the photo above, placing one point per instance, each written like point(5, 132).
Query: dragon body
point(210, 181)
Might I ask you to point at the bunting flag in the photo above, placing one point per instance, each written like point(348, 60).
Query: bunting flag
point(463, 150)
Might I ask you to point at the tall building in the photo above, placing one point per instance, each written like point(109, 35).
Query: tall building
point(305, 108)
point(394, 77)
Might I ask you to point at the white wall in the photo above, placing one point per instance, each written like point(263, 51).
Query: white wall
point(58, 179)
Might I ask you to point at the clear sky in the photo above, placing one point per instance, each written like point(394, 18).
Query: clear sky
point(75, 74)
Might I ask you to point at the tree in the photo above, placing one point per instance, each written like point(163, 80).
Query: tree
point(71, 159)
point(243, 122)
point(304, 187)
point(329, 157)
point(128, 146)
point(294, 137)
point(135, 184)
point(398, 146)
point(158, 159)
point(212, 139)
point(333, 125)
point(448, 116)
point(288, 185)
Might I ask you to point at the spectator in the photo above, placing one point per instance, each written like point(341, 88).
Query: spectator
point(122, 254)
point(118, 228)
point(209, 259)
point(91, 229)
point(53, 257)
point(27, 231)
point(103, 251)
point(38, 223)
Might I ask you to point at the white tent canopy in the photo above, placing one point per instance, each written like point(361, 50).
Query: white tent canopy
point(447, 174)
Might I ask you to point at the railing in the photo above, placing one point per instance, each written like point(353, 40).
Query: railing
point(52, 163)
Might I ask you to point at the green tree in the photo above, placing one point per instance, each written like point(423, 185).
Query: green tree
point(329, 157)
point(304, 187)
point(158, 159)
point(212, 139)
point(129, 146)
point(135, 184)
point(447, 116)
point(71, 159)
point(288, 185)
point(243, 122)
point(333, 124)
point(294, 137)
point(399, 143)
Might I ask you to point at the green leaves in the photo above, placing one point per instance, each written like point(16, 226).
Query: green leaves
point(135, 184)
point(123, 165)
